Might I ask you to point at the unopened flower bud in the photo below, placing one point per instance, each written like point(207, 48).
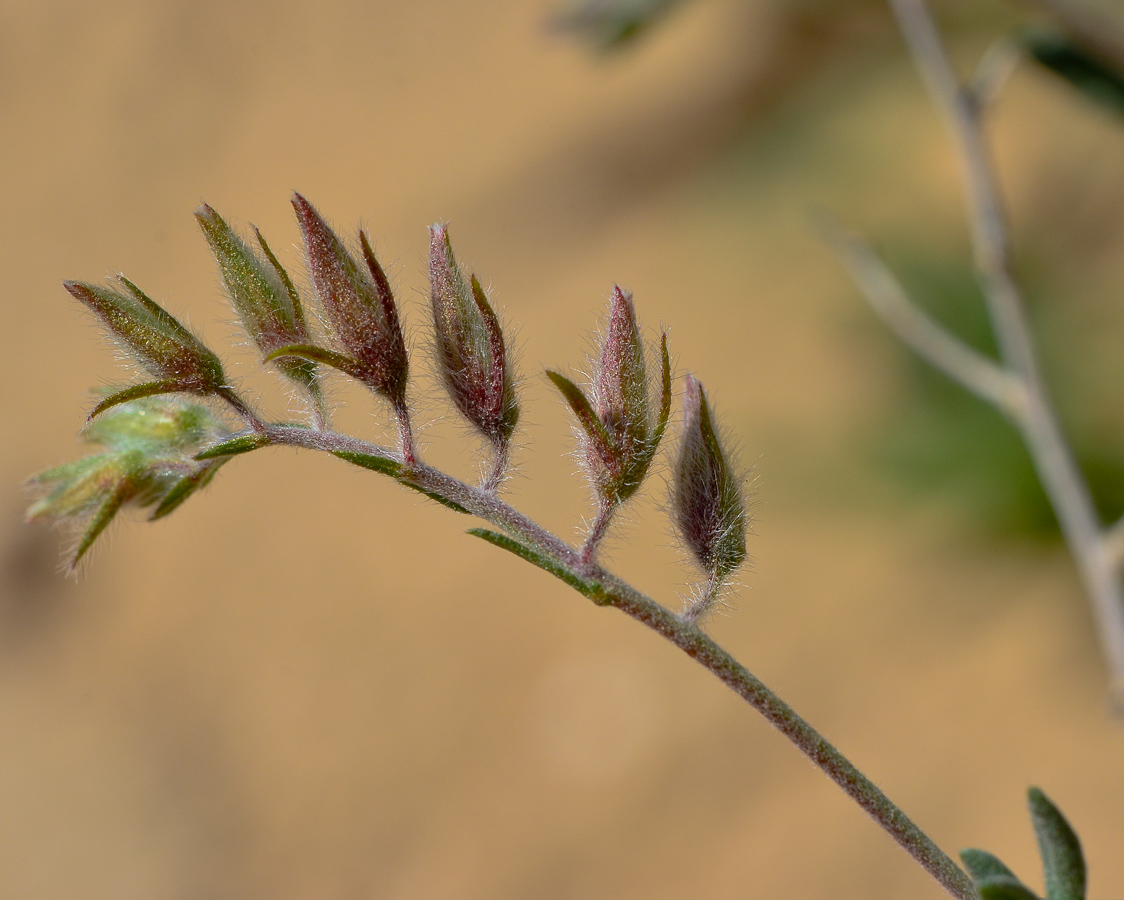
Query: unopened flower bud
point(261, 292)
point(359, 306)
point(707, 502)
point(155, 338)
point(471, 356)
point(620, 430)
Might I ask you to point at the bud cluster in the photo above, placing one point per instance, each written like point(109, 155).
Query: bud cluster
point(159, 446)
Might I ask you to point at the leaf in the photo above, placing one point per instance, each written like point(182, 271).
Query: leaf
point(993, 880)
point(100, 521)
point(1090, 75)
point(346, 364)
point(444, 501)
point(378, 464)
point(235, 446)
point(1062, 859)
point(137, 392)
point(590, 589)
point(587, 417)
point(184, 488)
point(665, 393)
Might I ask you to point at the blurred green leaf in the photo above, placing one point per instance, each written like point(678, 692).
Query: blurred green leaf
point(1098, 80)
point(993, 880)
point(1062, 859)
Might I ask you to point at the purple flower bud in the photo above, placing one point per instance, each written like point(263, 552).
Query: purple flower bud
point(706, 497)
point(170, 352)
point(471, 356)
point(620, 431)
point(261, 292)
point(359, 306)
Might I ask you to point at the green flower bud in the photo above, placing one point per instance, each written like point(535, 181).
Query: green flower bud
point(261, 292)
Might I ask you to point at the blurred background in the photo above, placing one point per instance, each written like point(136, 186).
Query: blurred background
point(308, 683)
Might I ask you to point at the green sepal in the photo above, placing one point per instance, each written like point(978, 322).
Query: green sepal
point(1086, 73)
point(183, 489)
point(993, 880)
point(100, 521)
point(587, 417)
point(233, 447)
point(379, 464)
point(138, 392)
point(590, 589)
point(1062, 860)
point(665, 393)
point(346, 364)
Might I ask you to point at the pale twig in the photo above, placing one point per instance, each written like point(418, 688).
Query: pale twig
point(568, 564)
point(886, 296)
point(1064, 485)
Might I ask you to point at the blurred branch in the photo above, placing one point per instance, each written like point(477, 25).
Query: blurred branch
point(886, 296)
point(1062, 480)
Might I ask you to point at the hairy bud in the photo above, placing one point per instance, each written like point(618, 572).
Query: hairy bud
point(261, 292)
point(620, 432)
point(359, 306)
point(471, 356)
point(707, 502)
point(155, 338)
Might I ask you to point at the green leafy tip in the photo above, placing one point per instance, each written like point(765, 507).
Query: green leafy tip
point(147, 459)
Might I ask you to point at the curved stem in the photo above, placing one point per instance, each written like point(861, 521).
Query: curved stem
point(679, 631)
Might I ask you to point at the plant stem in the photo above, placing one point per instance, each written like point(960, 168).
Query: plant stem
point(1062, 480)
point(600, 526)
point(682, 633)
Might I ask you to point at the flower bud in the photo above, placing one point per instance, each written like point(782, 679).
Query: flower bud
point(261, 292)
point(706, 495)
point(155, 338)
point(620, 432)
point(471, 356)
point(359, 306)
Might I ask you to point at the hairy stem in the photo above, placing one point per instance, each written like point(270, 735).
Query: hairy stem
point(1053, 461)
point(682, 633)
point(597, 531)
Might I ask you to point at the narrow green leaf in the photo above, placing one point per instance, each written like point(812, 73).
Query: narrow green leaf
point(233, 447)
point(665, 392)
point(183, 489)
point(346, 364)
point(100, 521)
point(378, 464)
point(1062, 860)
point(590, 589)
point(587, 417)
point(137, 392)
point(993, 880)
point(290, 288)
point(444, 501)
point(1093, 77)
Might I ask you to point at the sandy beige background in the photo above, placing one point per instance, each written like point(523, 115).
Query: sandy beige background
point(309, 684)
